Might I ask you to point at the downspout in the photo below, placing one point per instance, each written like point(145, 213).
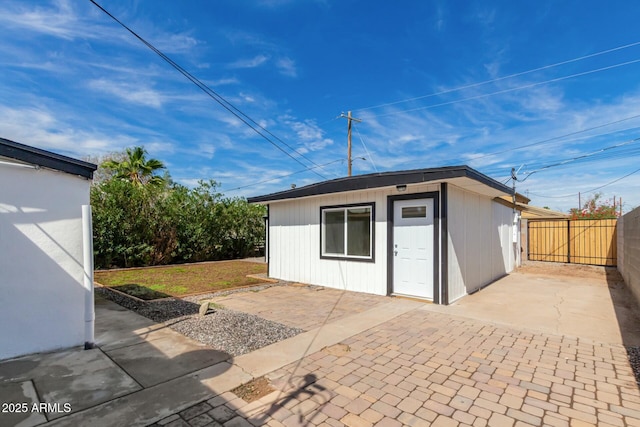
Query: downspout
point(87, 251)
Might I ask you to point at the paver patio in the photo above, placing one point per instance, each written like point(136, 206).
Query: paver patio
point(427, 367)
point(304, 307)
point(369, 360)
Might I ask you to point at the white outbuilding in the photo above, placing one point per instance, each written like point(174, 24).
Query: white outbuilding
point(44, 295)
point(436, 234)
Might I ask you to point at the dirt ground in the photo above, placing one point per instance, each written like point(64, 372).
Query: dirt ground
point(253, 390)
point(181, 280)
point(611, 274)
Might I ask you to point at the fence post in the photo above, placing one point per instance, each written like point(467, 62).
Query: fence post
point(568, 241)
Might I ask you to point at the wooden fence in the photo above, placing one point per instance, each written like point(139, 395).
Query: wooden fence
point(579, 241)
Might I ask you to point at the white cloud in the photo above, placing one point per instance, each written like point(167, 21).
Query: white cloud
point(42, 128)
point(174, 43)
point(308, 134)
point(254, 62)
point(129, 92)
point(287, 67)
point(225, 81)
point(58, 21)
point(74, 20)
point(207, 150)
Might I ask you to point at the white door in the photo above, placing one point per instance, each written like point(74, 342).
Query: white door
point(413, 248)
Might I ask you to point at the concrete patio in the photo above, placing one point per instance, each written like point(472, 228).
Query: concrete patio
point(527, 350)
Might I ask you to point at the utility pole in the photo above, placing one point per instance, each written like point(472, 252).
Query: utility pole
point(514, 178)
point(349, 120)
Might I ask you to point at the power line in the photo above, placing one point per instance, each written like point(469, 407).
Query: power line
point(471, 98)
point(244, 118)
point(555, 138)
point(283, 176)
point(588, 191)
point(594, 153)
point(365, 149)
point(469, 86)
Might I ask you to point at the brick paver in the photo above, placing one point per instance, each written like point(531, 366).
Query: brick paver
point(329, 305)
point(426, 368)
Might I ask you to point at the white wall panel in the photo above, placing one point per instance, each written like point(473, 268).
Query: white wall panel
point(41, 260)
point(479, 244)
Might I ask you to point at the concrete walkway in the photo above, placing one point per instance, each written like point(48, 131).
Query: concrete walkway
point(595, 307)
point(142, 371)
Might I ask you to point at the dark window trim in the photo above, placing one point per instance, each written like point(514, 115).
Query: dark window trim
point(435, 195)
point(267, 231)
point(444, 214)
point(371, 259)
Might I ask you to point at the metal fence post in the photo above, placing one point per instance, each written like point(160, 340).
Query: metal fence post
point(569, 241)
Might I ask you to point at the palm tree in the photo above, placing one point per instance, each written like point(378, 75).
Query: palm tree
point(136, 167)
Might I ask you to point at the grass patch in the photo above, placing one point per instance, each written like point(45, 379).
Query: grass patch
point(186, 279)
point(253, 390)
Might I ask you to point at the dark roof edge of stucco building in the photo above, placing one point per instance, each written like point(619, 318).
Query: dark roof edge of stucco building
point(47, 159)
point(383, 179)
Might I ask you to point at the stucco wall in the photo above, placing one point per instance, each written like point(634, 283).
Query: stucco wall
point(41, 271)
point(629, 251)
point(480, 245)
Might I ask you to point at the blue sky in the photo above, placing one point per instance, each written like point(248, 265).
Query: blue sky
point(491, 84)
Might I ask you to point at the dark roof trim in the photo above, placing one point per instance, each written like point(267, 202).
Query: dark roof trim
point(47, 159)
point(384, 179)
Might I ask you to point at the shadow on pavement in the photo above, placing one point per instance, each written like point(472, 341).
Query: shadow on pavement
point(139, 372)
point(628, 317)
point(304, 388)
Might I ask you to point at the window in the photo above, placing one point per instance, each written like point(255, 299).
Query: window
point(347, 231)
point(414, 212)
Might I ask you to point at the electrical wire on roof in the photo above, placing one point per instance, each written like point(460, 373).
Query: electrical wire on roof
point(522, 73)
point(243, 117)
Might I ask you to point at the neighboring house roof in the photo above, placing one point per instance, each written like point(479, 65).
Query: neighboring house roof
point(535, 212)
point(521, 198)
point(35, 156)
point(529, 211)
point(463, 176)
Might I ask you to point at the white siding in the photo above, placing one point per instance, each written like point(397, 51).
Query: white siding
point(41, 263)
point(294, 247)
point(480, 243)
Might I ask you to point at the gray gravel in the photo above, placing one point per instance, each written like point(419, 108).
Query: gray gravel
point(634, 359)
point(227, 330)
point(233, 331)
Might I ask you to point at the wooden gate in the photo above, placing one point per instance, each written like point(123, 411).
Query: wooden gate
point(578, 241)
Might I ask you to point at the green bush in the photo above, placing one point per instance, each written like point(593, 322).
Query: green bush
point(144, 225)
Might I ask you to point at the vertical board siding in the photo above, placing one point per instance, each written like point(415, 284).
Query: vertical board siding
point(578, 241)
point(480, 241)
point(294, 228)
point(457, 241)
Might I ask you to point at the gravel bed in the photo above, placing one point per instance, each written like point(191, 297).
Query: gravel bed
point(227, 330)
point(634, 359)
point(232, 331)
